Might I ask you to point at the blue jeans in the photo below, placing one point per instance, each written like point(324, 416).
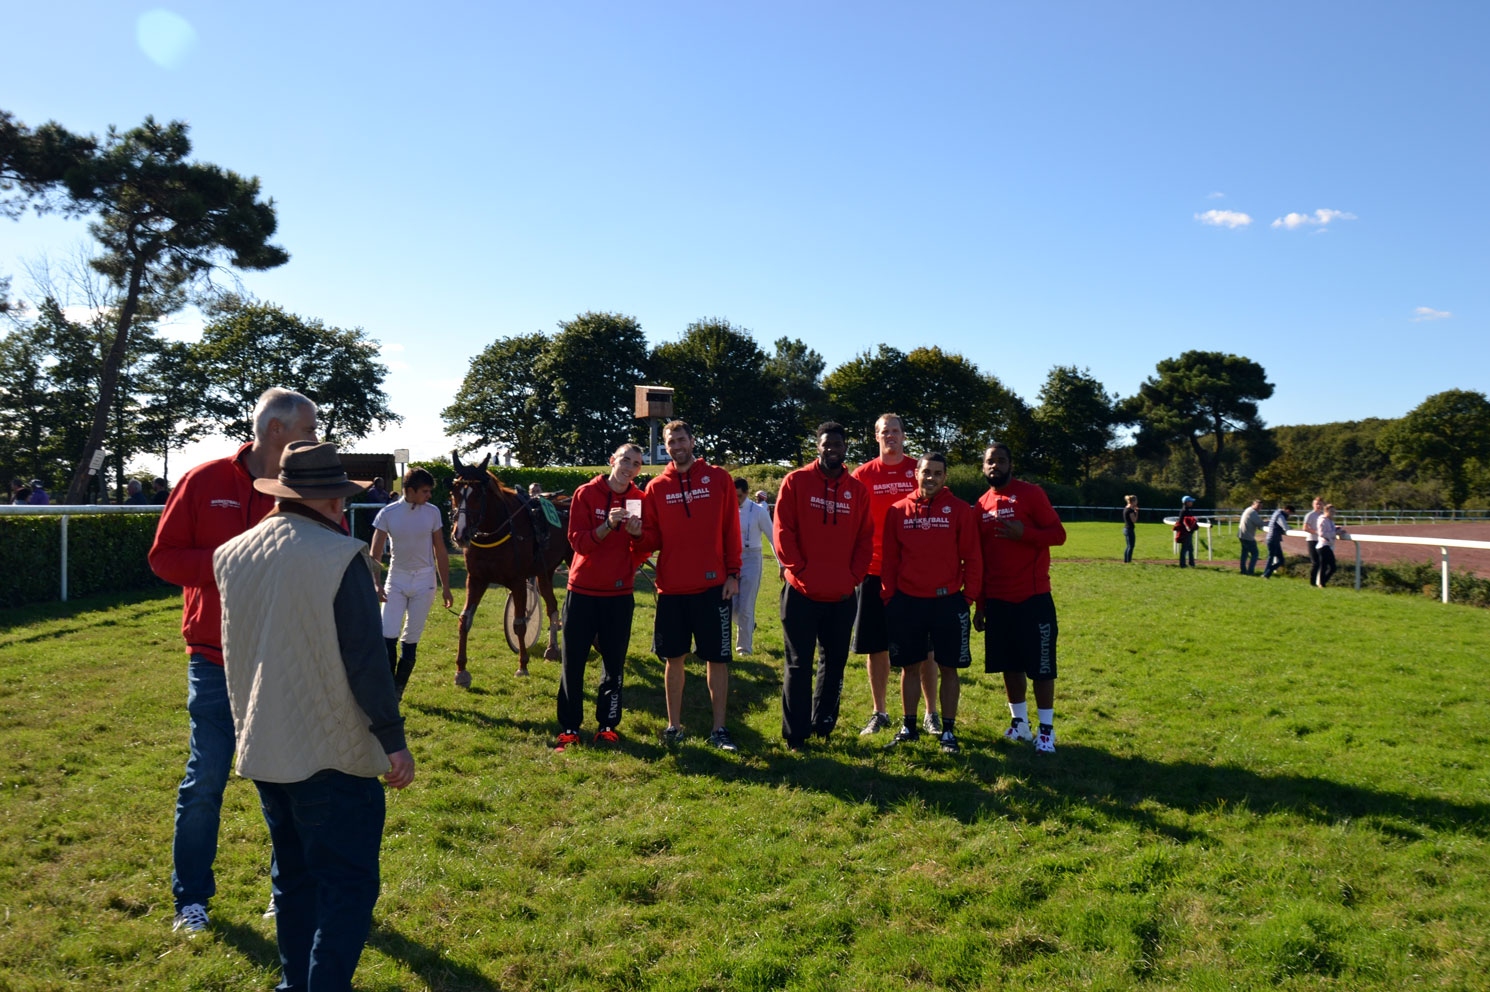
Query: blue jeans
point(199, 798)
point(326, 833)
point(1249, 556)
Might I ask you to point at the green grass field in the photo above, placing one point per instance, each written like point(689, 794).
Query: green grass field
point(1258, 785)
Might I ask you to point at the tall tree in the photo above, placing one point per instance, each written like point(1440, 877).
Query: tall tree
point(720, 385)
point(172, 389)
point(504, 401)
point(1076, 418)
point(801, 402)
point(26, 423)
point(163, 222)
point(1449, 433)
point(865, 386)
point(1198, 398)
point(249, 346)
point(593, 366)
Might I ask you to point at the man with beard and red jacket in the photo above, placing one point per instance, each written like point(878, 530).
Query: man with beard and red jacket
point(932, 572)
point(824, 540)
point(1018, 527)
point(599, 604)
point(214, 502)
point(689, 515)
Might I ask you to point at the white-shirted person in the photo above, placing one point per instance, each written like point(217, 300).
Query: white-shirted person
point(419, 564)
point(755, 534)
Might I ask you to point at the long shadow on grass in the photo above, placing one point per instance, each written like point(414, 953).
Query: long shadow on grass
point(436, 970)
point(1020, 785)
point(264, 953)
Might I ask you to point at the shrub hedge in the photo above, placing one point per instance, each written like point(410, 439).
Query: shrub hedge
point(106, 552)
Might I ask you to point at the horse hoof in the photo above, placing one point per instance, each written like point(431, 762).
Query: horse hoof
point(522, 673)
point(552, 654)
point(463, 679)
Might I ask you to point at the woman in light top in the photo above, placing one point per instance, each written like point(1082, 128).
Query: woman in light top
point(413, 526)
point(1130, 523)
point(1328, 533)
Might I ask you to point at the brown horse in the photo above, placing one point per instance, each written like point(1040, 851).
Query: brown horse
point(503, 546)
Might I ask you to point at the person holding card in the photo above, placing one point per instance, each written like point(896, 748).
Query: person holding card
point(599, 604)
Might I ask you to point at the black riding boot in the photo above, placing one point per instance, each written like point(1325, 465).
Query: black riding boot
point(405, 667)
point(392, 644)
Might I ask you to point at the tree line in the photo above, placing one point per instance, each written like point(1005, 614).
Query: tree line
point(165, 224)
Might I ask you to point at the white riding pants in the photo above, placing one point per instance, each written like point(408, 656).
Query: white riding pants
point(411, 593)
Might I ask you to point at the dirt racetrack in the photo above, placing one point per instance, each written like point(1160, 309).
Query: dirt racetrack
point(1474, 560)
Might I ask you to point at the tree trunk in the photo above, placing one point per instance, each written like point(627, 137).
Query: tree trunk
point(108, 382)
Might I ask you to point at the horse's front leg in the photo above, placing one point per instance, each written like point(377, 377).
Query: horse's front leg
point(520, 625)
point(474, 592)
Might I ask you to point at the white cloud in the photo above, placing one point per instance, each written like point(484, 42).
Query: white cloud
point(1428, 313)
point(1318, 218)
point(1215, 196)
point(1224, 218)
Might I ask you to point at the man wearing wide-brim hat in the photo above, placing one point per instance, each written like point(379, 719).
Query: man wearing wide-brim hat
point(314, 710)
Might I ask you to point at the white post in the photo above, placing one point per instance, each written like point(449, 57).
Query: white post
point(64, 559)
point(1445, 573)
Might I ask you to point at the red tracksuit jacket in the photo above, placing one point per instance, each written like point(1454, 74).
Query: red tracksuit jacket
point(693, 519)
point(931, 549)
point(824, 536)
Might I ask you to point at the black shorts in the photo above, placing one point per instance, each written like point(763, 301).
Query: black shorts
point(1020, 637)
point(870, 632)
point(942, 624)
point(700, 619)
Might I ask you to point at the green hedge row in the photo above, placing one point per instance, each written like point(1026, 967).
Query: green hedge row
point(105, 553)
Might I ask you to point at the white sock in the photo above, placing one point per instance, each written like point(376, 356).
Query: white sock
point(1020, 711)
point(1047, 717)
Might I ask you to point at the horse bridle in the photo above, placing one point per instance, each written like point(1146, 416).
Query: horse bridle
point(477, 493)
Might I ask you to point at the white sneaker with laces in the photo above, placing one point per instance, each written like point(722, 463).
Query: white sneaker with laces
point(192, 918)
point(1018, 730)
point(1045, 740)
point(273, 910)
point(932, 723)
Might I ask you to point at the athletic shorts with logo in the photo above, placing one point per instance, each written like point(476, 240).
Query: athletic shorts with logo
point(1021, 636)
point(916, 622)
point(699, 619)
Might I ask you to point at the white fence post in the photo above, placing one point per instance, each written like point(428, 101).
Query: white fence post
point(63, 569)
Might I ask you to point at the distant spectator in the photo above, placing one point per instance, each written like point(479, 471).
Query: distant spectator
point(1277, 529)
point(136, 495)
point(535, 489)
point(1184, 530)
point(760, 497)
point(162, 492)
point(38, 495)
point(1130, 526)
point(20, 491)
point(1246, 533)
point(1311, 527)
point(378, 493)
point(1328, 533)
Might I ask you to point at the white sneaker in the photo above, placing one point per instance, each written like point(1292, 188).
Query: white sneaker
point(932, 723)
point(192, 918)
point(1019, 730)
point(273, 909)
point(1045, 740)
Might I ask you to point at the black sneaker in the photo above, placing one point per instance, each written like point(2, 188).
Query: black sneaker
point(949, 743)
point(722, 740)
point(903, 735)
point(673, 735)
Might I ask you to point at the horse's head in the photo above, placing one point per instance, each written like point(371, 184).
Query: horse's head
point(476, 503)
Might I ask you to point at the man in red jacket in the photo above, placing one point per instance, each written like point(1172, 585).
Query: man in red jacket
point(1017, 527)
point(690, 516)
point(824, 541)
point(932, 572)
point(212, 503)
point(890, 478)
point(599, 604)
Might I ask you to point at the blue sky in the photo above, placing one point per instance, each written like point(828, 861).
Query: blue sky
point(1030, 184)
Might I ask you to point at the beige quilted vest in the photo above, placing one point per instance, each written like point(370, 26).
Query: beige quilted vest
point(293, 709)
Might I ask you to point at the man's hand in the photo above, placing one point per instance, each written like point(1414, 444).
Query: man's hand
point(449, 598)
point(634, 526)
point(402, 772)
point(731, 587)
point(1013, 530)
point(979, 620)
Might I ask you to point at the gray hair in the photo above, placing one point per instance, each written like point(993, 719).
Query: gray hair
point(281, 405)
point(132, 486)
